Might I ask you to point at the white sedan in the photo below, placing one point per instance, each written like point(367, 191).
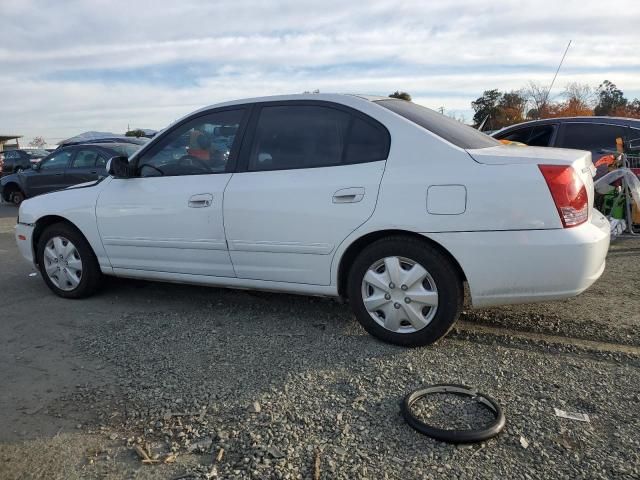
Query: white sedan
point(377, 200)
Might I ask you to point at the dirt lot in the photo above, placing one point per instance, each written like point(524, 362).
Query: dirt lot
point(228, 384)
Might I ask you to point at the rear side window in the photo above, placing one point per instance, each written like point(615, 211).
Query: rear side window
point(446, 128)
point(310, 136)
point(367, 143)
point(85, 159)
point(591, 136)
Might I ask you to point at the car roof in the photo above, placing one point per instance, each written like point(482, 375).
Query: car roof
point(584, 119)
point(106, 144)
point(327, 97)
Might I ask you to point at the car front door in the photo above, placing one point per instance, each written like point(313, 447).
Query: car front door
point(50, 173)
point(598, 138)
point(168, 218)
point(310, 174)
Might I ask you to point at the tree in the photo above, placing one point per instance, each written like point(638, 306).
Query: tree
point(38, 142)
point(511, 109)
point(401, 95)
point(610, 99)
point(579, 101)
point(537, 96)
point(633, 109)
point(135, 133)
point(486, 108)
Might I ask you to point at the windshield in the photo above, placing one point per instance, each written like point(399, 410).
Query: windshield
point(451, 130)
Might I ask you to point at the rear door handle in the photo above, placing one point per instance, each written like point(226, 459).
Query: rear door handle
point(201, 200)
point(349, 195)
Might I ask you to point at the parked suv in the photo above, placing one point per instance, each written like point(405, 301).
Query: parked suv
point(12, 161)
point(595, 134)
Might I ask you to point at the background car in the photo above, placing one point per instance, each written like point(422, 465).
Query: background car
point(12, 161)
point(595, 134)
point(379, 200)
point(62, 168)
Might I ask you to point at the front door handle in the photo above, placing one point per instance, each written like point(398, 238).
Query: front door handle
point(349, 195)
point(201, 200)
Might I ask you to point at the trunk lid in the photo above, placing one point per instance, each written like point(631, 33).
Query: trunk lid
point(520, 155)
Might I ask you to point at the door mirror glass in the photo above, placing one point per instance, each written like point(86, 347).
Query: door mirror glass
point(118, 167)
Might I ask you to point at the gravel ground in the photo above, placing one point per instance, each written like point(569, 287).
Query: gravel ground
point(234, 385)
point(280, 390)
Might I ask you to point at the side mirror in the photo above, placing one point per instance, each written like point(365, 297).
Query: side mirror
point(118, 167)
point(35, 166)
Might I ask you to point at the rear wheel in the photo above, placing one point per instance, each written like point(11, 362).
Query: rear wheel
point(67, 262)
point(17, 197)
point(405, 291)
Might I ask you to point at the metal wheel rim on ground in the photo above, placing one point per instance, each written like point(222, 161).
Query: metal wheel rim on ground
point(400, 294)
point(62, 263)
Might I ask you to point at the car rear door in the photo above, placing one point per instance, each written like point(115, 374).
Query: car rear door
point(309, 176)
point(50, 174)
point(82, 167)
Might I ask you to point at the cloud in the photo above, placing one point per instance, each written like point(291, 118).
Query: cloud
point(80, 65)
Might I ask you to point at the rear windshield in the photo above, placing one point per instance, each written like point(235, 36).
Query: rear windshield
point(447, 128)
point(125, 149)
point(37, 153)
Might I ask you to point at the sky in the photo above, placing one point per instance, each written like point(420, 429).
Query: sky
point(71, 66)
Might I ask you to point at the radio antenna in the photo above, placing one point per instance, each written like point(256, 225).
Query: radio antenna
point(546, 97)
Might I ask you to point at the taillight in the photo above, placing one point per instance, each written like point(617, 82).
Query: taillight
point(568, 192)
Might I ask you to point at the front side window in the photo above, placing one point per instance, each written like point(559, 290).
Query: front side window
point(519, 135)
point(58, 160)
point(591, 136)
point(541, 135)
point(200, 146)
point(310, 136)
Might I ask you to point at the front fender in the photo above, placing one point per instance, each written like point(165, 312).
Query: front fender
point(76, 206)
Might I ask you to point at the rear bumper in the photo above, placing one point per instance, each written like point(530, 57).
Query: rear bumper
point(530, 265)
point(24, 240)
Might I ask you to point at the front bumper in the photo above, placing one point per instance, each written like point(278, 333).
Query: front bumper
point(24, 239)
point(530, 265)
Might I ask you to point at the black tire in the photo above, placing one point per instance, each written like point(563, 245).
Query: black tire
point(17, 197)
point(448, 282)
point(91, 275)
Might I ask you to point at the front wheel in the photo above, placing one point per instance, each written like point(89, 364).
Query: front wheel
point(404, 291)
point(67, 262)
